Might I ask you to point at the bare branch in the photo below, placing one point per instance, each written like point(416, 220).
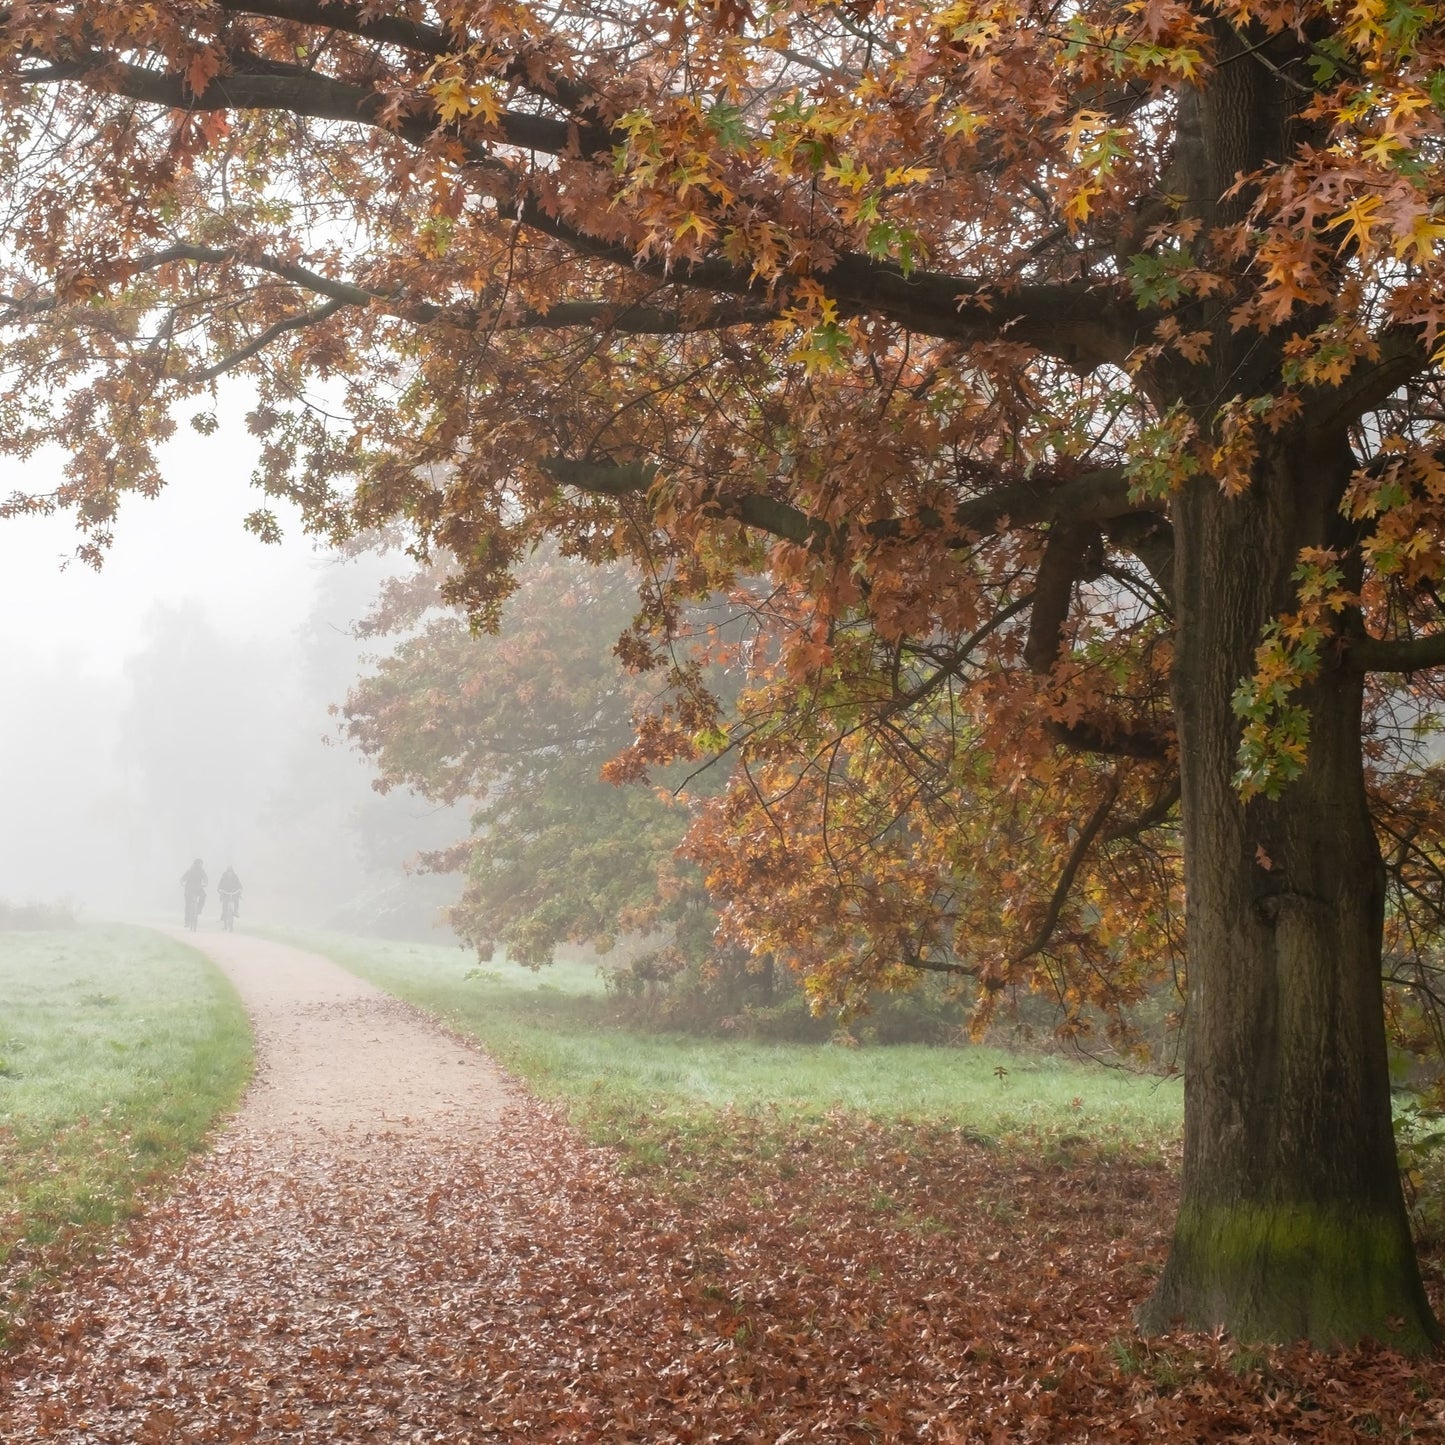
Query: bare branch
point(957, 657)
point(1156, 813)
point(632, 318)
point(1072, 864)
point(270, 334)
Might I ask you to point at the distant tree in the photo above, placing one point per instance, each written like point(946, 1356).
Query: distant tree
point(71, 829)
point(1070, 370)
point(518, 726)
point(337, 853)
point(199, 736)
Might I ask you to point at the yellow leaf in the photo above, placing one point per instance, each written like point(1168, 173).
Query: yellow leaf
point(486, 104)
point(1382, 149)
point(455, 99)
point(1420, 238)
point(450, 98)
point(693, 222)
point(1360, 218)
point(905, 175)
point(1077, 207)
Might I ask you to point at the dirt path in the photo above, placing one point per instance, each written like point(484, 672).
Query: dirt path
point(390, 1243)
point(274, 1296)
point(342, 1068)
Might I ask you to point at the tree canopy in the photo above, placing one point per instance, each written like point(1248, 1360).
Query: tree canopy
point(1068, 371)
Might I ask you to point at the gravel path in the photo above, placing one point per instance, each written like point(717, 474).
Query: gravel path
point(342, 1068)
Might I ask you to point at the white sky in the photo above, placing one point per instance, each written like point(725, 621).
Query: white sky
point(189, 545)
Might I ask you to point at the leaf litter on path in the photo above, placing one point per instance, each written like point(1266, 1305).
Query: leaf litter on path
point(421, 1276)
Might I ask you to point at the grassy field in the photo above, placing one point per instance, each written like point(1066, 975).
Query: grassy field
point(558, 1031)
point(118, 1049)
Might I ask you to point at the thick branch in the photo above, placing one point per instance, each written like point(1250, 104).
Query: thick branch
point(609, 479)
point(1150, 538)
point(960, 970)
point(1087, 736)
point(1402, 355)
point(636, 319)
point(256, 84)
point(753, 509)
point(346, 17)
point(408, 35)
point(1073, 552)
point(1093, 496)
point(1081, 326)
point(1412, 654)
point(1097, 496)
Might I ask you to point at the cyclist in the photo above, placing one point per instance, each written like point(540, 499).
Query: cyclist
point(229, 891)
point(193, 880)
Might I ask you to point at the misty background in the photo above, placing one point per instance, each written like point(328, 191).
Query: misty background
point(174, 705)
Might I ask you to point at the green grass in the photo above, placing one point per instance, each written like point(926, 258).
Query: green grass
point(558, 1031)
point(118, 1050)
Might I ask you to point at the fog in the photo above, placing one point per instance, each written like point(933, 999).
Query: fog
point(174, 705)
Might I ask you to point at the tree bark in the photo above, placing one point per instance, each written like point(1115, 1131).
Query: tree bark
point(1292, 1224)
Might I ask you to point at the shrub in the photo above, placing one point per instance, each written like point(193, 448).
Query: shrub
point(29, 917)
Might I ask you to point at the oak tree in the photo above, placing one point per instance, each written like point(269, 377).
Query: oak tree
point(1069, 369)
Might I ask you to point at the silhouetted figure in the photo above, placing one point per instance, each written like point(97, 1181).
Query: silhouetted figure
point(193, 880)
point(229, 891)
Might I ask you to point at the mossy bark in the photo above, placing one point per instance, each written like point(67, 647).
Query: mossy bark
point(1330, 1274)
point(1292, 1223)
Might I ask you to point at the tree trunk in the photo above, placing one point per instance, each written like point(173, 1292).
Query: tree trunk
point(1292, 1224)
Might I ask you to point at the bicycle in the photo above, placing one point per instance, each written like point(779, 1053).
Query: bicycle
point(230, 907)
point(194, 903)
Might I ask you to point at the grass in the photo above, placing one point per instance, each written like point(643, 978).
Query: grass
point(559, 1032)
point(118, 1050)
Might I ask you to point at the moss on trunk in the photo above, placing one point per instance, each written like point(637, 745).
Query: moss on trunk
point(1330, 1275)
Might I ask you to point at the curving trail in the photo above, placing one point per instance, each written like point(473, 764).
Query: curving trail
point(339, 1268)
point(344, 1069)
